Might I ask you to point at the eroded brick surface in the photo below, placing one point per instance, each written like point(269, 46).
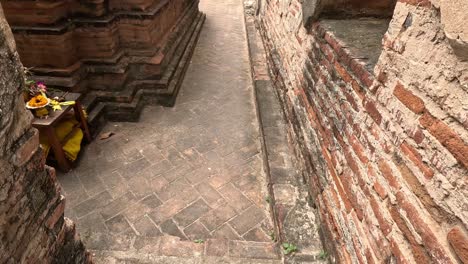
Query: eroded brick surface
point(374, 142)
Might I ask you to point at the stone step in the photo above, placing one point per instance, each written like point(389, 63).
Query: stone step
point(112, 259)
point(109, 248)
point(126, 64)
point(56, 22)
point(126, 95)
point(127, 104)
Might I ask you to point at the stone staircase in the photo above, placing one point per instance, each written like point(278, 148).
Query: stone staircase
point(130, 248)
point(126, 104)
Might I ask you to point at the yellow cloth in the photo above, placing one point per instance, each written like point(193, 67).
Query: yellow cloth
point(72, 146)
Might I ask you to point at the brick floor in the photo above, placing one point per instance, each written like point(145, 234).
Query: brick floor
point(192, 171)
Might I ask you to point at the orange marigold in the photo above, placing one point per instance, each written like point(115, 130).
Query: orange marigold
point(38, 101)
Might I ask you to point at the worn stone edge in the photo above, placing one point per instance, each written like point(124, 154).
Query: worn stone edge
point(255, 52)
point(250, 35)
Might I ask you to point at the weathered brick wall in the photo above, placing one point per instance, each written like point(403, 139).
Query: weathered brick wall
point(32, 226)
point(385, 152)
point(120, 54)
point(80, 40)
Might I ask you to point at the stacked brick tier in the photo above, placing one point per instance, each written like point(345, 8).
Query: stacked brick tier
point(107, 49)
point(384, 151)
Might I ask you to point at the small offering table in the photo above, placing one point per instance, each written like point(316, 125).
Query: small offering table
point(47, 126)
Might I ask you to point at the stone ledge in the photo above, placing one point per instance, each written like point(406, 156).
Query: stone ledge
point(24, 14)
point(100, 44)
point(141, 248)
point(112, 74)
point(294, 219)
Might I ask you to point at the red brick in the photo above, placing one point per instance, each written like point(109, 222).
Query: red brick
point(335, 197)
point(420, 191)
point(397, 252)
point(369, 144)
point(350, 99)
point(382, 76)
point(358, 149)
point(357, 249)
point(328, 52)
point(28, 145)
point(333, 42)
point(327, 211)
point(358, 68)
point(353, 165)
point(459, 149)
point(375, 131)
point(377, 242)
point(57, 214)
point(341, 192)
point(337, 182)
point(419, 252)
point(315, 186)
point(370, 259)
point(410, 100)
point(358, 89)
point(459, 242)
point(388, 174)
point(430, 241)
point(380, 190)
point(375, 88)
point(385, 225)
point(351, 194)
point(427, 120)
point(387, 147)
point(417, 135)
point(447, 137)
point(344, 57)
point(372, 111)
point(345, 256)
point(358, 225)
point(371, 172)
point(359, 241)
point(416, 158)
point(328, 66)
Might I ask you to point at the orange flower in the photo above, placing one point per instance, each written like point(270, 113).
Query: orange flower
point(38, 101)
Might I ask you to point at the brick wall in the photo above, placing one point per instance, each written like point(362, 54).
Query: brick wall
point(133, 33)
point(384, 151)
point(32, 226)
point(119, 54)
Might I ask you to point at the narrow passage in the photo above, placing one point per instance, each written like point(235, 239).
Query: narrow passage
point(193, 171)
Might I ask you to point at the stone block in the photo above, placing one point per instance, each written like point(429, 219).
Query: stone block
point(26, 146)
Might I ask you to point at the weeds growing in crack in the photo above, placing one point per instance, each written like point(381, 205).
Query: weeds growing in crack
point(323, 255)
point(289, 248)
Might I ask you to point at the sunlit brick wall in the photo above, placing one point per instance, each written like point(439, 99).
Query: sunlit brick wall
point(385, 151)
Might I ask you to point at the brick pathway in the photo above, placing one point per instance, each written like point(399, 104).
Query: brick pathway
point(193, 171)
